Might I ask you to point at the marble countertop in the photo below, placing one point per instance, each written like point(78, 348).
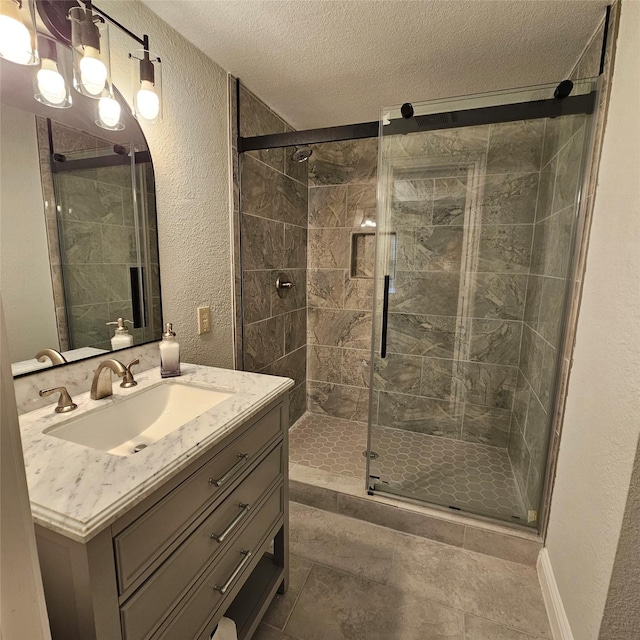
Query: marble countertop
point(78, 491)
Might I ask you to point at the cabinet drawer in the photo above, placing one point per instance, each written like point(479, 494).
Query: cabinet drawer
point(145, 539)
point(232, 569)
point(160, 593)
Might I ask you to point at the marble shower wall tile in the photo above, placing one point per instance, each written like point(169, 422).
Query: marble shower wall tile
point(419, 414)
point(426, 293)
point(498, 295)
point(495, 341)
point(340, 328)
point(355, 367)
point(338, 400)
point(361, 204)
point(274, 220)
point(329, 248)
point(324, 363)
point(295, 330)
point(421, 335)
point(505, 248)
point(342, 195)
point(510, 198)
point(262, 243)
point(327, 206)
point(438, 248)
point(515, 146)
point(326, 288)
point(257, 295)
point(263, 343)
point(350, 161)
point(450, 200)
point(271, 194)
point(485, 425)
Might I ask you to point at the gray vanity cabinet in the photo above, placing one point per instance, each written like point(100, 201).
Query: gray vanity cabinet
point(198, 548)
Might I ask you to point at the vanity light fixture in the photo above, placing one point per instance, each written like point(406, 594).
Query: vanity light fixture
point(147, 76)
point(51, 87)
point(91, 56)
point(17, 32)
point(109, 111)
point(90, 53)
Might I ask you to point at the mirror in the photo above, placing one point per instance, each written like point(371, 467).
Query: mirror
point(78, 231)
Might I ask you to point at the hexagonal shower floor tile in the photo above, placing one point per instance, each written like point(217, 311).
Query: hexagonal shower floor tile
point(447, 472)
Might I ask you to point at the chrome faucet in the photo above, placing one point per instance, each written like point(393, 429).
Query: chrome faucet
point(102, 385)
point(55, 356)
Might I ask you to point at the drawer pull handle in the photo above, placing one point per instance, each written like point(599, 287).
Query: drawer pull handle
point(244, 509)
point(225, 587)
point(220, 481)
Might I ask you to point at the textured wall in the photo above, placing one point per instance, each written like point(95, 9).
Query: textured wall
point(342, 194)
point(273, 227)
point(191, 161)
point(621, 619)
point(602, 416)
point(26, 280)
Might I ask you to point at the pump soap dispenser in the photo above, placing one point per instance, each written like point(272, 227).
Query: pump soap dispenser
point(169, 353)
point(122, 338)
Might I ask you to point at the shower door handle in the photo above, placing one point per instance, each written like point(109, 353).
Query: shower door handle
point(385, 318)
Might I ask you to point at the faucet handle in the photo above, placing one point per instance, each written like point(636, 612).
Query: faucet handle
point(65, 403)
point(127, 380)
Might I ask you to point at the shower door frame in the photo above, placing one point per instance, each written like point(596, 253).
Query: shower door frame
point(572, 287)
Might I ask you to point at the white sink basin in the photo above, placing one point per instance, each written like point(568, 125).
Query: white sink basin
point(141, 419)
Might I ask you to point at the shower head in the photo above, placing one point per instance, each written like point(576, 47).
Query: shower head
point(302, 154)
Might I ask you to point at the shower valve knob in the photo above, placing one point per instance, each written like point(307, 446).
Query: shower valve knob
point(283, 284)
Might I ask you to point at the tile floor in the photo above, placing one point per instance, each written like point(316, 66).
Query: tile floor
point(439, 470)
point(352, 580)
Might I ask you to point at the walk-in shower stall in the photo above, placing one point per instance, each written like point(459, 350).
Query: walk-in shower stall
point(455, 274)
point(475, 232)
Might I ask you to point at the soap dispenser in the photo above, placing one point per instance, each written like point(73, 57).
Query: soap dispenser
point(121, 338)
point(169, 353)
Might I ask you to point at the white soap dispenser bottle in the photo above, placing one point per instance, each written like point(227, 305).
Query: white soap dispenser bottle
point(121, 338)
point(169, 353)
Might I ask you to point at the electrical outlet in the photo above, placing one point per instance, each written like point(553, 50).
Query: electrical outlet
point(204, 320)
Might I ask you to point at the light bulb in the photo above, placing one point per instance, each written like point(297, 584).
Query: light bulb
point(51, 83)
point(93, 72)
point(109, 112)
point(15, 39)
point(147, 101)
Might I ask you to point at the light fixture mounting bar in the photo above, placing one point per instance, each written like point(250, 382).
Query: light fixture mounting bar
point(144, 41)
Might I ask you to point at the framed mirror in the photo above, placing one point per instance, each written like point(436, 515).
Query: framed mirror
point(78, 230)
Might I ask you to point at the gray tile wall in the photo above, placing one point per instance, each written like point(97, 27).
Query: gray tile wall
point(342, 195)
point(273, 228)
point(543, 312)
point(463, 207)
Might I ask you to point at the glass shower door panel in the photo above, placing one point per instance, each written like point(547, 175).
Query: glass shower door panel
point(458, 284)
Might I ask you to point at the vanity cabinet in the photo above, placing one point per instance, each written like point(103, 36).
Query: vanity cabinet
point(212, 541)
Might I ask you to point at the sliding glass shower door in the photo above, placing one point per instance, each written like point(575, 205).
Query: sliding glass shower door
point(476, 211)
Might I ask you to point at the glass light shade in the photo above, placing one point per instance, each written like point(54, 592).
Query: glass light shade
point(91, 55)
point(109, 112)
point(17, 35)
point(146, 70)
point(52, 80)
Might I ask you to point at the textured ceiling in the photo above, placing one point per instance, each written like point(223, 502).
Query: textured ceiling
point(321, 63)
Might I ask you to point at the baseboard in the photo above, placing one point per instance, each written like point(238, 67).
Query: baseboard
point(553, 602)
